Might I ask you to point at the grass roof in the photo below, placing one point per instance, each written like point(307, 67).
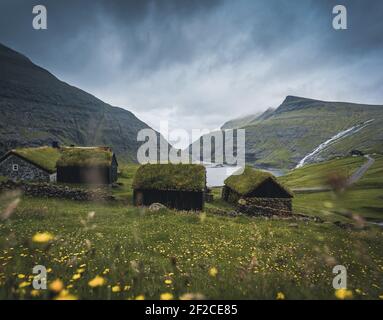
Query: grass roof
point(85, 156)
point(182, 177)
point(45, 157)
point(250, 180)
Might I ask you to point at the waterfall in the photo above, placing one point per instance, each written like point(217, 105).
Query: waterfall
point(335, 138)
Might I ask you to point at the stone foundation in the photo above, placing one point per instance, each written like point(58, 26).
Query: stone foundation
point(265, 206)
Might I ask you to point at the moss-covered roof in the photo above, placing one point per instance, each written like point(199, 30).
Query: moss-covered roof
point(44, 157)
point(249, 180)
point(85, 156)
point(182, 177)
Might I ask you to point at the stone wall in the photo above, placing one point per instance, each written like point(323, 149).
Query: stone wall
point(265, 206)
point(56, 191)
point(26, 171)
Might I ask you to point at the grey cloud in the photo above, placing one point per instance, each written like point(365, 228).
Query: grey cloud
point(199, 63)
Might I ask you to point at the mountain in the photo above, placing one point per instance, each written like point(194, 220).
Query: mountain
point(36, 108)
point(300, 127)
point(240, 122)
point(247, 120)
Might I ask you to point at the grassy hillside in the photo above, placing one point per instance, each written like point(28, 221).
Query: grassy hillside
point(299, 125)
point(37, 108)
point(361, 200)
point(315, 175)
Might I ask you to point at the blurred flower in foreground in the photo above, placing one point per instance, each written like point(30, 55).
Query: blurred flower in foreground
point(166, 296)
point(116, 289)
point(97, 281)
point(24, 284)
point(65, 295)
point(140, 297)
point(42, 237)
point(76, 276)
point(192, 296)
point(280, 296)
point(213, 271)
point(56, 285)
point(343, 294)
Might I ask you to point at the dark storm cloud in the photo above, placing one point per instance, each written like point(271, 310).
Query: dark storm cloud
point(178, 59)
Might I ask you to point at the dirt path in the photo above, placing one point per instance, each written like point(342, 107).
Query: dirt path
point(361, 171)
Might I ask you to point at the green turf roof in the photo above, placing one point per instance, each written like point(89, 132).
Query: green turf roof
point(250, 180)
point(85, 156)
point(182, 177)
point(44, 157)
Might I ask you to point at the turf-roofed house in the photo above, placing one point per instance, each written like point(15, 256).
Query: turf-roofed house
point(30, 164)
point(178, 186)
point(87, 165)
point(258, 193)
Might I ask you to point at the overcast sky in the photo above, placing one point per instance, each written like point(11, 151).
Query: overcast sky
point(200, 63)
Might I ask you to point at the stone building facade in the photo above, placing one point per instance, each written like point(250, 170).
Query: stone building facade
point(15, 168)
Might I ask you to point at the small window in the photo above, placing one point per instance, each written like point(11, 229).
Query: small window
point(15, 167)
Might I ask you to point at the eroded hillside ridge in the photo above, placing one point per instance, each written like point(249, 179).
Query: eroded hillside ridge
point(37, 108)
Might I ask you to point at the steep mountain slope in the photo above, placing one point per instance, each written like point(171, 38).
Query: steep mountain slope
point(299, 125)
point(247, 120)
point(37, 108)
point(240, 122)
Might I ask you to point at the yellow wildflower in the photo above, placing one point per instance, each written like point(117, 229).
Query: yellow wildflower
point(97, 281)
point(168, 281)
point(192, 296)
point(24, 284)
point(65, 295)
point(80, 270)
point(280, 296)
point(213, 271)
point(56, 285)
point(116, 289)
point(381, 297)
point(166, 296)
point(35, 293)
point(140, 297)
point(42, 237)
point(343, 294)
point(76, 276)
point(21, 276)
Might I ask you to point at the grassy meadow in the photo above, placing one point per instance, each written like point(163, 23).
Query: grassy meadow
point(116, 251)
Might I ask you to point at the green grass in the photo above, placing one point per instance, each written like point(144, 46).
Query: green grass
point(315, 175)
point(124, 191)
point(249, 180)
point(186, 177)
point(363, 199)
point(374, 176)
point(45, 157)
point(85, 156)
point(138, 250)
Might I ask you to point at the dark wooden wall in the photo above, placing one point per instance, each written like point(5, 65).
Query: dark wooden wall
point(180, 200)
point(84, 175)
